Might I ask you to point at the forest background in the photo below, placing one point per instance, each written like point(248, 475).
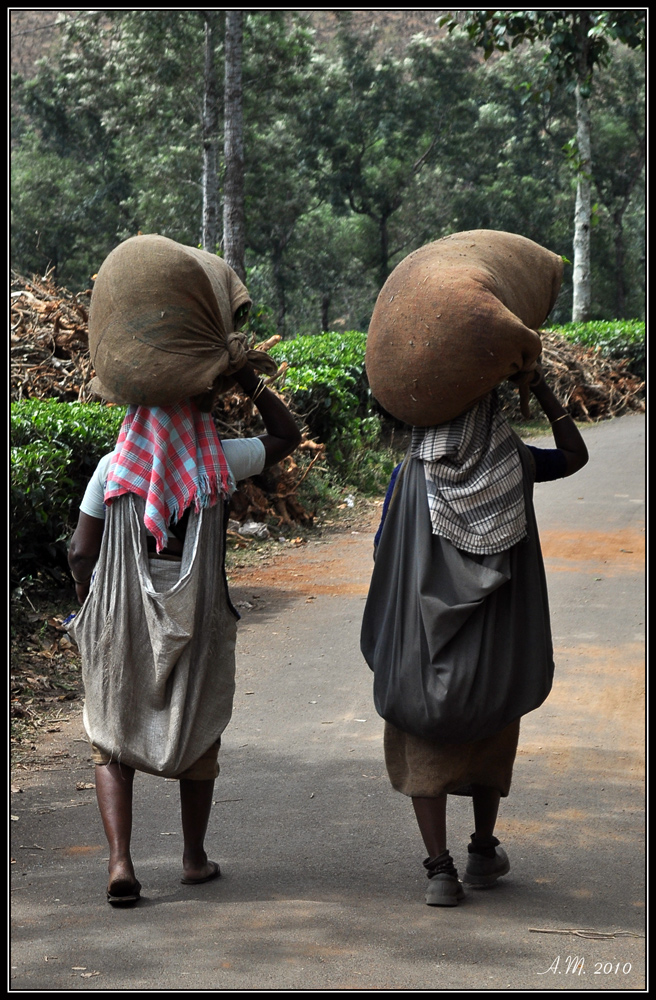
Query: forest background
point(366, 134)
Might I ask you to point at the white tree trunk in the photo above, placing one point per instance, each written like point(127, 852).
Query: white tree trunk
point(210, 220)
point(234, 226)
point(582, 215)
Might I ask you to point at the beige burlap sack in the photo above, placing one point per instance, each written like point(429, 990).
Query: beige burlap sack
point(163, 326)
point(455, 319)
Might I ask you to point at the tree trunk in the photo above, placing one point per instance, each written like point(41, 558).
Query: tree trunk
point(210, 220)
point(582, 214)
point(279, 283)
point(383, 250)
point(325, 306)
point(234, 227)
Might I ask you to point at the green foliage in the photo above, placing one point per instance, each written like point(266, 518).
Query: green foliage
point(339, 350)
point(41, 492)
point(59, 218)
point(619, 150)
point(328, 384)
point(120, 97)
point(69, 178)
point(378, 121)
point(55, 447)
point(516, 182)
point(576, 48)
point(579, 40)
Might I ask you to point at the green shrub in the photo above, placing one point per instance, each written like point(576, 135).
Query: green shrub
point(344, 350)
point(55, 447)
point(41, 493)
point(328, 385)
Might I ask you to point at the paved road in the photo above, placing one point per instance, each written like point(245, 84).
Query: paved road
point(323, 884)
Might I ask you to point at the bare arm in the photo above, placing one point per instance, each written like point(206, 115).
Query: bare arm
point(283, 435)
point(83, 552)
point(566, 433)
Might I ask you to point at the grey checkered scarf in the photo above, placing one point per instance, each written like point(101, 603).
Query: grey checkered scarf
point(474, 479)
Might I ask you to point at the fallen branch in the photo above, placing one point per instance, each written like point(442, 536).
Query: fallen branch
point(584, 932)
point(284, 496)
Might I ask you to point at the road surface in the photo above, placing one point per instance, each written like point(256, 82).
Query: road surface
point(322, 885)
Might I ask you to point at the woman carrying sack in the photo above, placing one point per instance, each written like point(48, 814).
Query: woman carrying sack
point(456, 627)
point(157, 629)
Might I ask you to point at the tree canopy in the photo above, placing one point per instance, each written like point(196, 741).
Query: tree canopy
point(353, 154)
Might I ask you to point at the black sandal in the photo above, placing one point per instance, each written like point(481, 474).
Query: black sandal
point(123, 893)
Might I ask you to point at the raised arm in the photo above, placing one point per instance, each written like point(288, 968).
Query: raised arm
point(283, 435)
point(566, 433)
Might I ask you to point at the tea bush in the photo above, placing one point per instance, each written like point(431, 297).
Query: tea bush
point(55, 447)
point(328, 385)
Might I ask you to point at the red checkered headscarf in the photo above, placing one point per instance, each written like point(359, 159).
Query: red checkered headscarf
point(172, 457)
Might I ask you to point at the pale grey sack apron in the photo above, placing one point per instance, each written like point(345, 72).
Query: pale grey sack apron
point(158, 665)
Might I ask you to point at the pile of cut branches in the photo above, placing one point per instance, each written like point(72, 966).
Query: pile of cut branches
point(590, 385)
point(49, 340)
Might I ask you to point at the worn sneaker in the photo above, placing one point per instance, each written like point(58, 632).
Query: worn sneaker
point(486, 863)
point(444, 887)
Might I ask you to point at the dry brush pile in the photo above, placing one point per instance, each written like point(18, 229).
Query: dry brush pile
point(590, 386)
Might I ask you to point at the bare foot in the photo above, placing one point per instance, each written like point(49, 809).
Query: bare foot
point(204, 873)
point(123, 884)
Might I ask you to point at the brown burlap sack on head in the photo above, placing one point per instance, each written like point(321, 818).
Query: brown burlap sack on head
point(455, 319)
point(162, 324)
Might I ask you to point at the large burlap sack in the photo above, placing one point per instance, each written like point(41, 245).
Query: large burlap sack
point(455, 319)
point(162, 324)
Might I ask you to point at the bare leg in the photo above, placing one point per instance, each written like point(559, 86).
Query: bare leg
point(444, 889)
point(431, 817)
point(195, 808)
point(487, 861)
point(114, 793)
point(486, 807)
